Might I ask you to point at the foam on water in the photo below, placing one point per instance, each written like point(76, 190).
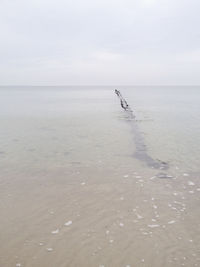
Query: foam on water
point(153, 225)
point(171, 222)
point(191, 183)
point(55, 231)
point(68, 223)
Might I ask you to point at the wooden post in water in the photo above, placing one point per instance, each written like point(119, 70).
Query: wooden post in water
point(123, 102)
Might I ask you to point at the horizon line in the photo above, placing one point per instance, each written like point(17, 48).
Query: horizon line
point(84, 85)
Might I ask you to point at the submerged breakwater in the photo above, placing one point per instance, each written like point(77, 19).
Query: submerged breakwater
point(141, 152)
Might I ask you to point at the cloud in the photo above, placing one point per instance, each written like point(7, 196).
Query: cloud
point(99, 42)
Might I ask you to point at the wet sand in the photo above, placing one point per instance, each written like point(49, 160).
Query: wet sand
point(73, 194)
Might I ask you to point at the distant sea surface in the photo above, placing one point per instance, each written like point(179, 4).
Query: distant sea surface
point(85, 183)
point(168, 117)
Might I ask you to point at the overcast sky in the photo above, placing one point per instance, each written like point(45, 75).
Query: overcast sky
point(103, 42)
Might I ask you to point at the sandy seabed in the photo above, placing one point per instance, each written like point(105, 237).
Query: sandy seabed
point(98, 216)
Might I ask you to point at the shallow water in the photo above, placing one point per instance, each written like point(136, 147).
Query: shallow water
point(74, 191)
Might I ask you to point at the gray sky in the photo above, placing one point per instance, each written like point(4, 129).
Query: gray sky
point(103, 42)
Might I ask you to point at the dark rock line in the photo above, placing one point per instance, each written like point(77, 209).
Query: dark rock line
point(141, 151)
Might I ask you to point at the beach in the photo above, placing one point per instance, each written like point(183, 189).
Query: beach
point(83, 183)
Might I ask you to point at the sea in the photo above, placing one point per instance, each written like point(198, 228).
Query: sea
point(85, 183)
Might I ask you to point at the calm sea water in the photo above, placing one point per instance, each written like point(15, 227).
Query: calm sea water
point(85, 183)
point(170, 119)
point(167, 117)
